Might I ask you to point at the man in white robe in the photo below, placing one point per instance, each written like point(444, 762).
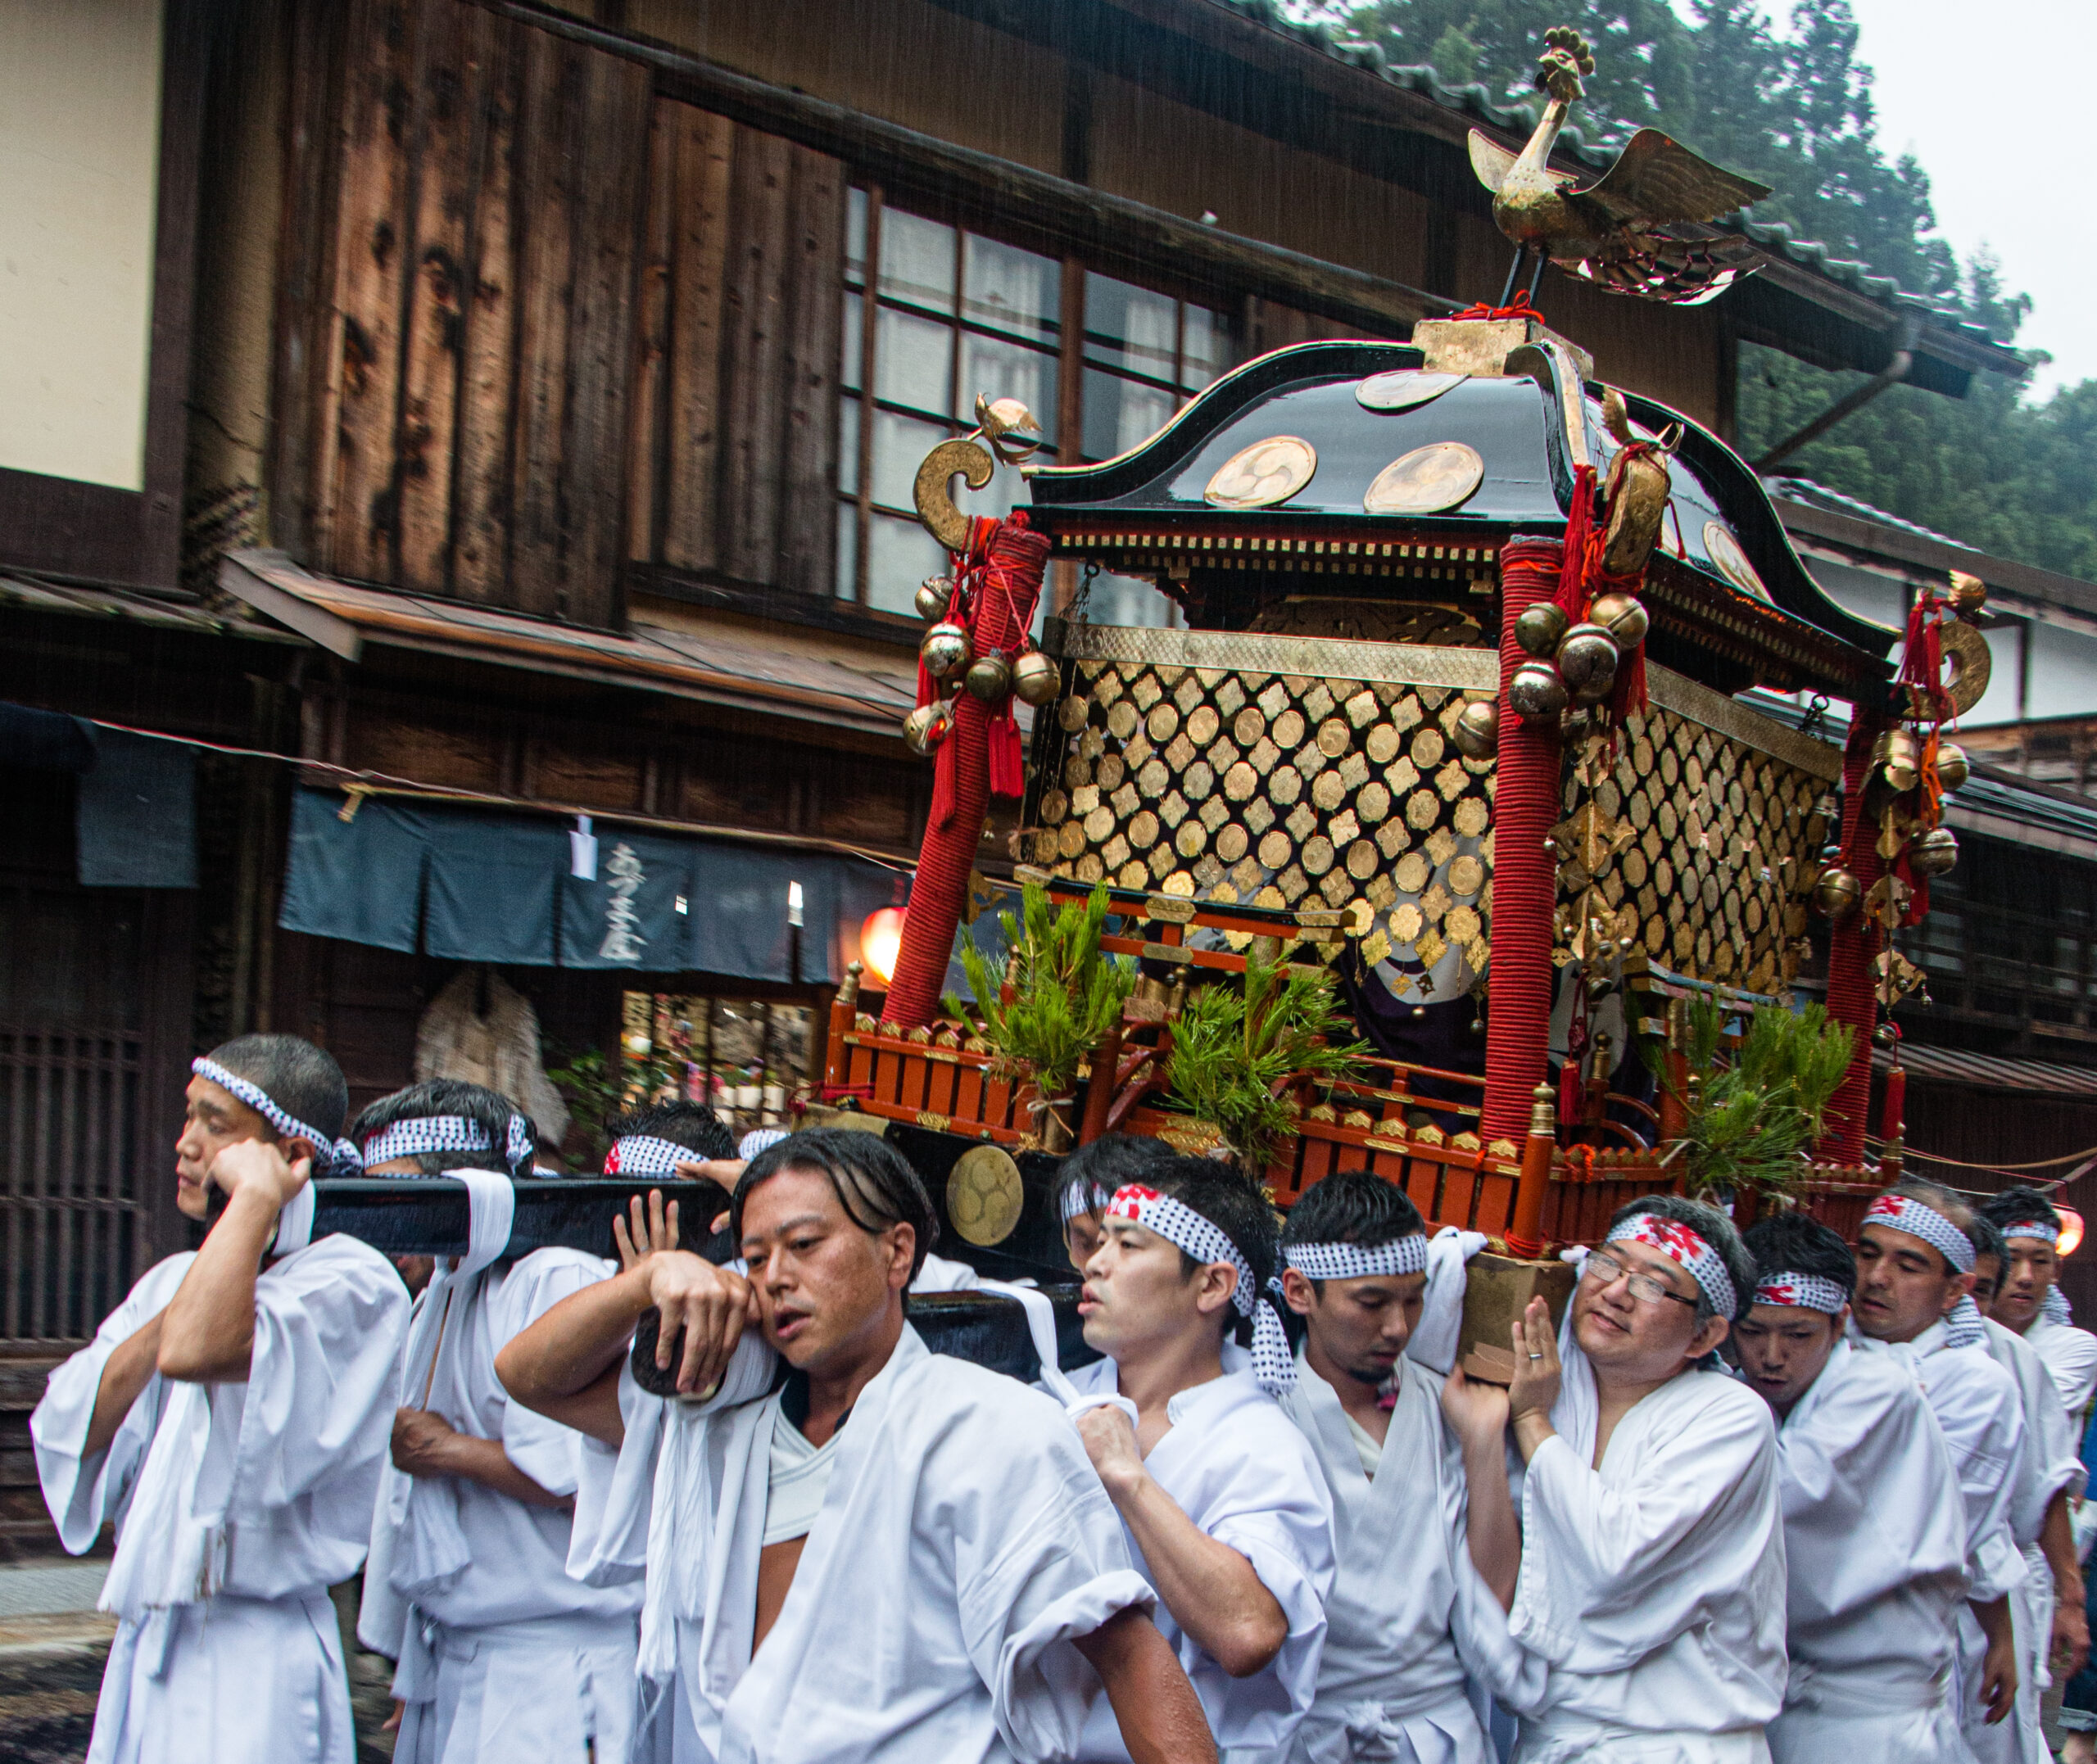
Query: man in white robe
point(1874, 1522)
point(230, 1417)
point(891, 1555)
point(2028, 1301)
point(1409, 1610)
point(1913, 1300)
point(1226, 1508)
point(1649, 1593)
point(501, 1652)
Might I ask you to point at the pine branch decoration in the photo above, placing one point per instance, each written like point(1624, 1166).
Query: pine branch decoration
point(1065, 995)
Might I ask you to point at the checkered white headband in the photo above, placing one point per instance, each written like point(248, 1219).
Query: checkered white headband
point(2034, 1228)
point(1813, 1292)
point(1963, 1325)
point(1673, 1238)
point(759, 1139)
point(420, 1135)
point(1274, 1366)
point(1899, 1212)
point(643, 1155)
point(331, 1156)
point(1083, 1198)
point(1353, 1261)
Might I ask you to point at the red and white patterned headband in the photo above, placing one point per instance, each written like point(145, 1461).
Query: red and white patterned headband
point(1900, 1212)
point(644, 1155)
point(1352, 1261)
point(1673, 1238)
point(1274, 1366)
point(1813, 1292)
point(2033, 1228)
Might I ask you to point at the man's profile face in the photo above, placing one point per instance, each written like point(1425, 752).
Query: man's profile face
point(1783, 1348)
point(1358, 1327)
point(1082, 1236)
point(825, 1287)
point(212, 1119)
point(1903, 1284)
point(1137, 1293)
point(2034, 1266)
point(1620, 1331)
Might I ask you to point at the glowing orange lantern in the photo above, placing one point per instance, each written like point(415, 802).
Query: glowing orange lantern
point(880, 941)
point(2071, 1230)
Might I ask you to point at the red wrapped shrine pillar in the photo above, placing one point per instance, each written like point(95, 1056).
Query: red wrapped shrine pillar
point(981, 753)
point(1852, 999)
point(1524, 876)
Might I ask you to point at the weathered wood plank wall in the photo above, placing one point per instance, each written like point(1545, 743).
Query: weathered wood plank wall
point(536, 321)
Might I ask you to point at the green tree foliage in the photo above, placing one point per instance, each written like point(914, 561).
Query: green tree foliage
point(1792, 107)
point(1065, 995)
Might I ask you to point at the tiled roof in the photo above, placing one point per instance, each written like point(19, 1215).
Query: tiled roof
point(1482, 105)
point(1986, 1071)
point(1805, 489)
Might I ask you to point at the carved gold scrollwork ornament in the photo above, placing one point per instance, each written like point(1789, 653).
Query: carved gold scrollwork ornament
point(933, 493)
point(1967, 652)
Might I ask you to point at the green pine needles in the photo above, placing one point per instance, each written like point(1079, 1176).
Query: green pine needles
point(1750, 1120)
point(1236, 1054)
point(1065, 995)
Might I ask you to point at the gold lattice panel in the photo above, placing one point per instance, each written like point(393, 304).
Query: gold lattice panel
point(1700, 848)
point(1280, 789)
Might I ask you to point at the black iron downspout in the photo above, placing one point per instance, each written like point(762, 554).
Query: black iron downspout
point(1894, 372)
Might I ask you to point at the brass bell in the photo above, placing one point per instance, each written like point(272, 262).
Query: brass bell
point(1836, 895)
point(1622, 616)
point(1953, 768)
point(945, 649)
point(1895, 752)
point(1587, 662)
point(1477, 731)
point(989, 677)
point(1934, 852)
point(925, 728)
point(1539, 627)
point(1537, 692)
point(934, 595)
point(1037, 680)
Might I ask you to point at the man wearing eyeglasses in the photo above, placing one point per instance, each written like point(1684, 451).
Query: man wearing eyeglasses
point(1649, 1597)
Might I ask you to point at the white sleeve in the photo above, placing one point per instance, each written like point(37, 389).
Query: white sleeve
point(323, 1384)
point(2071, 1358)
point(549, 1453)
point(1478, 1624)
point(1983, 1423)
point(85, 1492)
point(1611, 1572)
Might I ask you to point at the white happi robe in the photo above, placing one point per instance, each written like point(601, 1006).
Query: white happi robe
point(236, 1506)
point(502, 1655)
point(1875, 1538)
point(1976, 1406)
point(2050, 1465)
point(963, 1542)
point(1651, 1594)
point(2070, 1354)
point(1408, 1613)
point(1236, 1467)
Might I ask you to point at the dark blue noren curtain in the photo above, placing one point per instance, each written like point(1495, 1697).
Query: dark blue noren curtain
point(638, 912)
point(135, 816)
point(739, 912)
point(360, 880)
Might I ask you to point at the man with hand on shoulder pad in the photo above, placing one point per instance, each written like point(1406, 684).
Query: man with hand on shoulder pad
point(1650, 1589)
point(1225, 1509)
point(1914, 1301)
point(1410, 1606)
point(856, 1551)
point(1874, 1522)
point(230, 1416)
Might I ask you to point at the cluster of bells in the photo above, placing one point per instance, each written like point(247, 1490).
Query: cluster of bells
point(1572, 666)
point(1893, 801)
point(949, 657)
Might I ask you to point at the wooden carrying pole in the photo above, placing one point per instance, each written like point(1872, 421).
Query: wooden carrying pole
point(1525, 1231)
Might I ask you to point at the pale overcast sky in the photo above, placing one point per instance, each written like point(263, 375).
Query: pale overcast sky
point(1991, 99)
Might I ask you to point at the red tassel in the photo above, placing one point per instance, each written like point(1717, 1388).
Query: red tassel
point(1008, 775)
point(1576, 571)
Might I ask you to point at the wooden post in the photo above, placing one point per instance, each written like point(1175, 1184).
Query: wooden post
point(1525, 1231)
point(842, 1010)
point(1099, 1091)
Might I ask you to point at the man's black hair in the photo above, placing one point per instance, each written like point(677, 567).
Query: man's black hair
point(2019, 1206)
point(488, 1110)
point(1232, 1202)
point(1798, 1243)
point(301, 1079)
point(1352, 1206)
point(1988, 1240)
point(874, 1183)
point(1715, 1230)
point(1109, 1161)
point(690, 1125)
